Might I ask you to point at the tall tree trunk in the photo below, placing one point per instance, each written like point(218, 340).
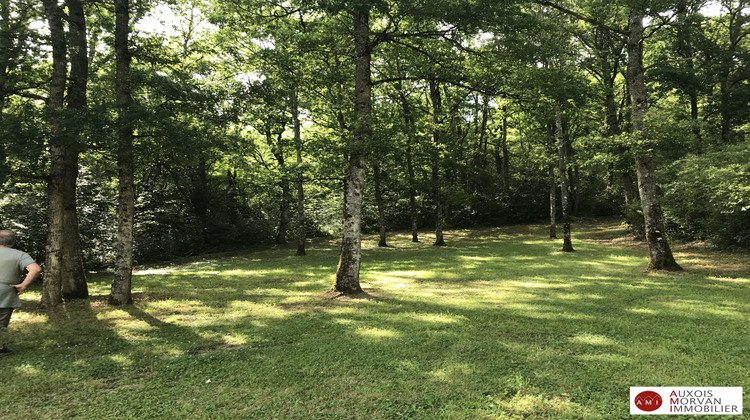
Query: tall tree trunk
point(572, 168)
point(74, 277)
point(694, 118)
point(5, 33)
point(483, 131)
point(284, 210)
point(727, 133)
point(660, 255)
point(552, 181)
point(380, 204)
point(480, 130)
point(347, 274)
point(627, 185)
point(120, 294)
point(436, 133)
point(301, 232)
point(506, 152)
point(286, 197)
point(614, 129)
point(564, 193)
point(53, 267)
point(575, 192)
point(3, 145)
point(409, 122)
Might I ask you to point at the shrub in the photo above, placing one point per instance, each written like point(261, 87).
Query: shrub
point(707, 197)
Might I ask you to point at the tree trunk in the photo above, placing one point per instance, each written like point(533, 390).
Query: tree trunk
point(552, 182)
point(660, 255)
point(575, 191)
point(53, 267)
point(347, 274)
point(74, 277)
point(572, 168)
point(506, 152)
point(627, 186)
point(286, 198)
point(480, 130)
point(284, 209)
point(409, 122)
point(725, 110)
point(381, 205)
point(436, 133)
point(564, 193)
point(694, 117)
point(120, 293)
point(3, 144)
point(5, 33)
point(301, 232)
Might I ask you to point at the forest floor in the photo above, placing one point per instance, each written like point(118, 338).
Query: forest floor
point(499, 324)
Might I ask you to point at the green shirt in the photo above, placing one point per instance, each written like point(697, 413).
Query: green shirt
point(12, 264)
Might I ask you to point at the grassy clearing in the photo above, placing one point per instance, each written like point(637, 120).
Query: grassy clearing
point(497, 325)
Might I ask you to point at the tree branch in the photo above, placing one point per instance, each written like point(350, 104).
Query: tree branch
point(621, 32)
point(27, 95)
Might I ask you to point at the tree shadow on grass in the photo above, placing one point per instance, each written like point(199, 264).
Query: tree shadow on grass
point(172, 338)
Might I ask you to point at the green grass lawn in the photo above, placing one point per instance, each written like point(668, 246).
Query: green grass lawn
point(499, 324)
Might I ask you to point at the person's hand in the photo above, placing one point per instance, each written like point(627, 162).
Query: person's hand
point(19, 288)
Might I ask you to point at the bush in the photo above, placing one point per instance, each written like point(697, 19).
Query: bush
point(707, 197)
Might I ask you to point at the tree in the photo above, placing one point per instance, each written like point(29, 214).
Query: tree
point(121, 285)
point(301, 231)
point(660, 254)
point(562, 174)
point(63, 269)
point(347, 273)
point(73, 276)
point(437, 110)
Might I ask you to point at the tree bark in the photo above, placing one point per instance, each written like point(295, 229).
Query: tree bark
point(53, 267)
point(627, 186)
point(74, 277)
point(381, 206)
point(301, 232)
point(284, 210)
point(409, 122)
point(436, 190)
point(347, 273)
point(564, 193)
point(552, 182)
point(5, 32)
point(727, 132)
point(286, 197)
point(572, 168)
point(120, 293)
point(480, 129)
point(506, 152)
point(660, 255)
point(694, 117)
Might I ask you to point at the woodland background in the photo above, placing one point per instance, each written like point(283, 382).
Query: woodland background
point(233, 121)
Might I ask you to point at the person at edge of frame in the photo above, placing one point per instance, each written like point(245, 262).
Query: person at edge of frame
point(13, 263)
